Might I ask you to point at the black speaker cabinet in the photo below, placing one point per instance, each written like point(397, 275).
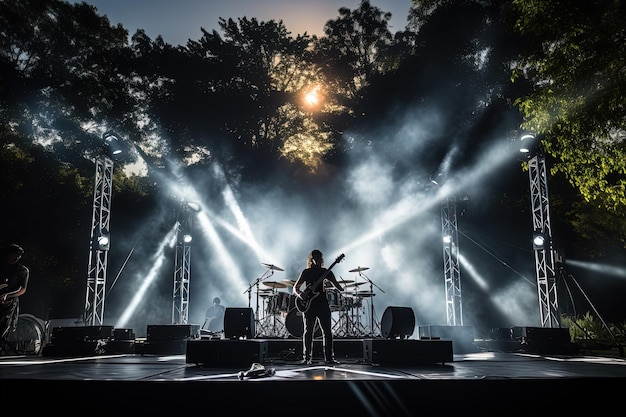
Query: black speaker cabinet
point(172, 332)
point(81, 334)
point(239, 323)
point(226, 353)
point(407, 352)
point(544, 334)
point(397, 323)
point(545, 340)
point(123, 334)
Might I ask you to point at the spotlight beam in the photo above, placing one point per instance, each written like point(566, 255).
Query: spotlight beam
point(158, 260)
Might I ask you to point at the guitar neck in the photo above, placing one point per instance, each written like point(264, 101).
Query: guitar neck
point(325, 274)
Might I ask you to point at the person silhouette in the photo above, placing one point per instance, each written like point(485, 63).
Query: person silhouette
point(13, 282)
point(318, 309)
point(214, 317)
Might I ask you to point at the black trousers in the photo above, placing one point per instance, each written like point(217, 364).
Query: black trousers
point(319, 311)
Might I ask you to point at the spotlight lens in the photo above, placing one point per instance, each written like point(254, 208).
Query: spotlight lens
point(539, 240)
point(187, 238)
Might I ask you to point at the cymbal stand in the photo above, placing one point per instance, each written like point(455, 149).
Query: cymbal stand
point(270, 324)
point(372, 321)
point(341, 327)
point(360, 310)
point(348, 323)
point(249, 291)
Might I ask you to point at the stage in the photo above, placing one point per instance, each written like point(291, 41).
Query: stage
point(376, 377)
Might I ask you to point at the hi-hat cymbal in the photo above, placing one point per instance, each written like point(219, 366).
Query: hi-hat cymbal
point(356, 284)
point(275, 284)
point(359, 269)
point(365, 294)
point(345, 281)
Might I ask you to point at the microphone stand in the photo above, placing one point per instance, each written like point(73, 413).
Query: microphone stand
point(249, 291)
point(372, 285)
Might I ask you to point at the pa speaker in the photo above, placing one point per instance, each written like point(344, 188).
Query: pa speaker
point(397, 322)
point(239, 323)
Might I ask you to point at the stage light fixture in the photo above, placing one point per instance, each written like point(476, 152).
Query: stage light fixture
point(539, 240)
point(104, 240)
point(528, 147)
point(187, 238)
point(114, 144)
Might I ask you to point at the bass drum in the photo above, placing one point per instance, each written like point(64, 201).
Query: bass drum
point(29, 336)
point(295, 325)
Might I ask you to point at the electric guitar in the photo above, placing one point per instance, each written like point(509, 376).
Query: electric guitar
point(303, 301)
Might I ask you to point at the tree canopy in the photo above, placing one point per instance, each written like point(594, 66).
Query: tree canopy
point(256, 99)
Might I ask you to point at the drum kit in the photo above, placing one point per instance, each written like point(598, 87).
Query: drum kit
point(279, 316)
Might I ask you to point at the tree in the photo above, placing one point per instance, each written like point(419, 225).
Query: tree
point(64, 66)
point(576, 64)
point(354, 48)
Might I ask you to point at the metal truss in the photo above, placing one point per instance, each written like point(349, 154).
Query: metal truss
point(97, 269)
point(452, 272)
point(544, 257)
point(182, 263)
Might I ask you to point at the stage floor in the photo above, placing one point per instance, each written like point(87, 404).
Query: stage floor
point(484, 382)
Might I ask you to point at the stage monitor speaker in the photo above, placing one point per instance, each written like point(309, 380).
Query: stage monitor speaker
point(407, 352)
point(81, 334)
point(226, 353)
point(123, 334)
point(397, 322)
point(552, 340)
point(239, 323)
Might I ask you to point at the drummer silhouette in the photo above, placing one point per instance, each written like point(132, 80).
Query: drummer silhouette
point(214, 317)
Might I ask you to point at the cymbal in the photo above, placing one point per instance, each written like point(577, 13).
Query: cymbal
point(365, 294)
point(273, 267)
point(356, 284)
point(359, 269)
point(275, 284)
point(345, 281)
point(289, 282)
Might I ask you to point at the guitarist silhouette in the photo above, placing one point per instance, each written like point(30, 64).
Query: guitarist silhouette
point(313, 304)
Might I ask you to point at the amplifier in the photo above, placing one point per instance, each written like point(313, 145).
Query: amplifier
point(81, 334)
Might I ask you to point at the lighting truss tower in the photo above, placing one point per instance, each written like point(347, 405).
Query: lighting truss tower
point(98, 257)
point(452, 272)
point(544, 256)
point(180, 299)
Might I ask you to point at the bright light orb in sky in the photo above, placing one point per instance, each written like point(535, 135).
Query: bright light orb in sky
point(312, 97)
